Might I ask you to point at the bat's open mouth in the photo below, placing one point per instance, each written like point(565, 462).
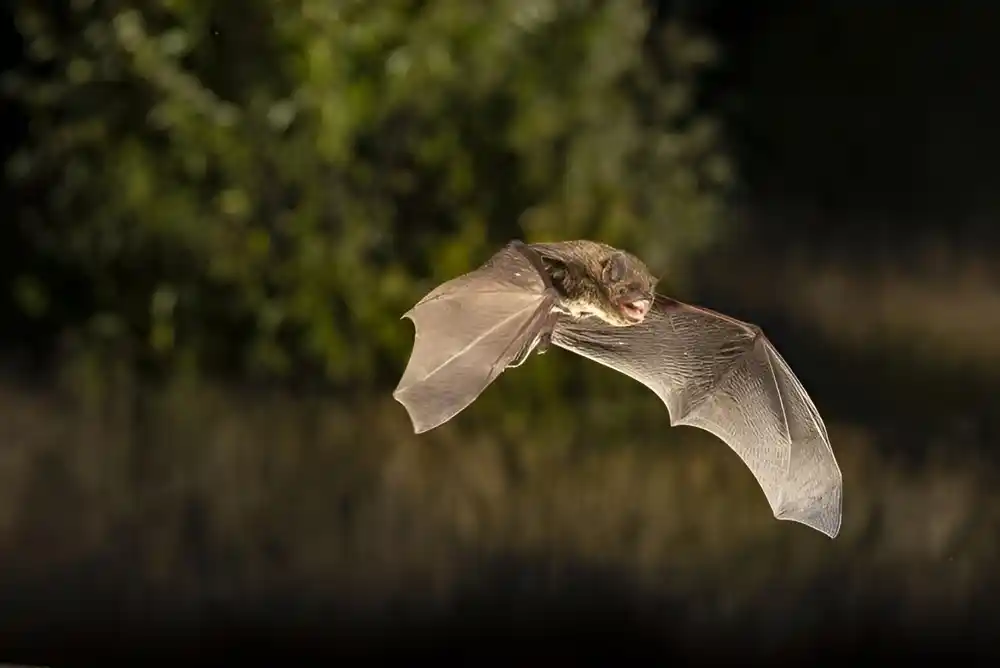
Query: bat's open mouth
point(635, 310)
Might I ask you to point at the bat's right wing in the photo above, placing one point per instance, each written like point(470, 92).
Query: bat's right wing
point(471, 328)
point(723, 375)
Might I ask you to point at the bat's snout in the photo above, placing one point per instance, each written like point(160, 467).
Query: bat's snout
point(636, 309)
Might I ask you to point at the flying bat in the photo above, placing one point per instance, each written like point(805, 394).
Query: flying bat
point(712, 371)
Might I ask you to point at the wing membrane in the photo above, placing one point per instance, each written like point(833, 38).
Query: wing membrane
point(724, 376)
point(468, 330)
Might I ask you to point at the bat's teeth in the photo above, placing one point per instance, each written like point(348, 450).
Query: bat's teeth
point(637, 309)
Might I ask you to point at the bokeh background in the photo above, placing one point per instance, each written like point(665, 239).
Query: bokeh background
point(215, 212)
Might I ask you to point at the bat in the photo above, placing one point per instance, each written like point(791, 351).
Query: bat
point(711, 371)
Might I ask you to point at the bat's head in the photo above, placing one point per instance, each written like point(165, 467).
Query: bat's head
point(627, 288)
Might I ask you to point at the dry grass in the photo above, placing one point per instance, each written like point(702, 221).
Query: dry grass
point(201, 493)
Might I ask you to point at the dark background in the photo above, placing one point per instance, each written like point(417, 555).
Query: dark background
point(182, 475)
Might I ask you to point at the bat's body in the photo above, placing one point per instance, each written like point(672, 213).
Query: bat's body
point(711, 371)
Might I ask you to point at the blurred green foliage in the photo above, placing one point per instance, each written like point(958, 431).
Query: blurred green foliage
point(261, 187)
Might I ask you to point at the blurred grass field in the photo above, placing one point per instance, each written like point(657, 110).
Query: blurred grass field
point(192, 496)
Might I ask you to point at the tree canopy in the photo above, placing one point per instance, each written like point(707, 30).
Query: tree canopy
point(262, 187)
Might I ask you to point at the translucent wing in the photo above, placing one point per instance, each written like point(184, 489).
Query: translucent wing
point(469, 329)
point(724, 376)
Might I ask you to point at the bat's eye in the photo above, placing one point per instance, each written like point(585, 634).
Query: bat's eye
point(615, 268)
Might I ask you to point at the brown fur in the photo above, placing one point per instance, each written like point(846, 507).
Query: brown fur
point(580, 271)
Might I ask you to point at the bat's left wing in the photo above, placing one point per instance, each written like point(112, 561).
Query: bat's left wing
point(724, 376)
point(470, 329)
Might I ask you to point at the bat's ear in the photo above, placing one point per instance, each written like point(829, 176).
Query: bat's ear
point(614, 268)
